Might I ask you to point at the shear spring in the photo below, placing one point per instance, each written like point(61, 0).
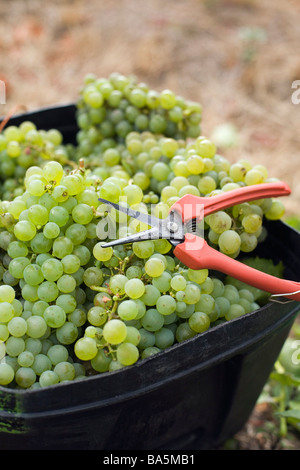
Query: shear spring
point(283, 295)
point(192, 227)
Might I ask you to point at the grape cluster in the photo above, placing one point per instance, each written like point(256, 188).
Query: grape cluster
point(110, 108)
point(22, 147)
point(70, 307)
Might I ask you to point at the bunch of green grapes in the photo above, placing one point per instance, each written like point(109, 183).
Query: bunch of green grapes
point(22, 147)
point(110, 108)
point(165, 169)
point(69, 307)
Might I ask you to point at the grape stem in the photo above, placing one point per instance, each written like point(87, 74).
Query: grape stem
point(100, 289)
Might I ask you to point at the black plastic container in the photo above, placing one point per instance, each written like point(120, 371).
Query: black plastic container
point(193, 396)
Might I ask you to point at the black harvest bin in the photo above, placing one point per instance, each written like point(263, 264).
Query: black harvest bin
point(192, 396)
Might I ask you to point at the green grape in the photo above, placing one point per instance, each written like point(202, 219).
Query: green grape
point(199, 322)
point(151, 295)
point(160, 171)
point(77, 233)
point(152, 320)
point(67, 333)
point(24, 230)
point(133, 271)
point(127, 354)
point(51, 230)
point(133, 194)
point(92, 276)
point(40, 244)
point(162, 282)
point(25, 377)
point(7, 374)
point(47, 291)
point(52, 269)
point(54, 316)
point(6, 312)
point(17, 327)
point(127, 310)
point(36, 326)
point(184, 332)
point(7, 294)
point(117, 284)
point(237, 172)
point(192, 293)
point(82, 214)
point(101, 361)
point(101, 253)
point(223, 304)
point(70, 263)
point(154, 267)
point(134, 288)
point(48, 378)
point(39, 307)
point(14, 346)
point(246, 294)
point(4, 332)
point(66, 302)
point(17, 249)
point(53, 171)
point(33, 274)
point(220, 221)
point(96, 316)
point(197, 275)
point(65, 371)
point(62, 246)
point(41, 363)
point(143, 249)
point(57, 353)
point(164, 338)
point(38, 214)
point(229, 242)
point(59, 215)
point(166, 304)
point(114, 331)
point(133, 335)
point(17, 265)
point(276, 210)
point(205, 304)
point(248, 242)
point(178, 282)
point(33, 345)
point(252, 223)
point(66, 284)
point(254, 176)
point(231, 293)
point(235, 311)
point(26, 359)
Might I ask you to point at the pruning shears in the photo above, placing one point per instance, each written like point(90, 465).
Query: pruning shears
point(193, 250)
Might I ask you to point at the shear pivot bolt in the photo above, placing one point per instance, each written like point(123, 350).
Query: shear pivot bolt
point(172, 227)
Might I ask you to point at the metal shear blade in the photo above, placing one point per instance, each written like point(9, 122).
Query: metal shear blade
point(170, 228)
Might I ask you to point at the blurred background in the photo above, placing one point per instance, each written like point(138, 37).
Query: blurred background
point(238, 58)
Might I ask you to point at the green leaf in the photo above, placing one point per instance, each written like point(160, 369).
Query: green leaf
point(285, 379)
point(295, 414)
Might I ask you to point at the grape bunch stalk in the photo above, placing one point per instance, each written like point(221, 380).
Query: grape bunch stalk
point(70, 308)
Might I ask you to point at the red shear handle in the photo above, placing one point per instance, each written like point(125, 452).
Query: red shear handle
point(195, 253)
point(197, 207)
